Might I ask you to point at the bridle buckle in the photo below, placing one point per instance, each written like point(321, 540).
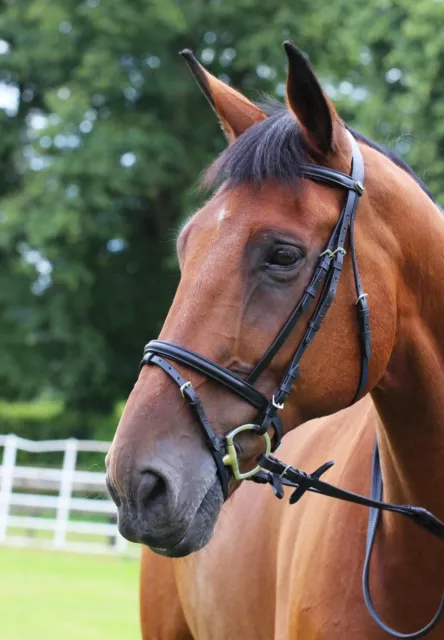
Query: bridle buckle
point(359, 187)
point(331, 254)
point(186, 385)
point(275, 404)
point(363, 296)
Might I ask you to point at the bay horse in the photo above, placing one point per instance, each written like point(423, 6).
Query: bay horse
point(254, 567)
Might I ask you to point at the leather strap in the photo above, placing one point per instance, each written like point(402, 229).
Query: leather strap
point(362, 307)
point(293, 477)
point(196, 406)
point(323, 283)
point(433, 526)
point(310, 293)
point(333, 177)
point(214, 371)
point(208, 368)
point(277, 474)
point(331, 262)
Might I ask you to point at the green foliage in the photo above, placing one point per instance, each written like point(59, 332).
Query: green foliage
point(37, 420)
point(23, 411)
point(98, 163)
point(50, 419)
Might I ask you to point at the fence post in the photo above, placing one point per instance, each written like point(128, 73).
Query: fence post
point(65, 492)
point(9, 458)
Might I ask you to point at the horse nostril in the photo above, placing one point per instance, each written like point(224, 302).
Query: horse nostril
point(152, 489)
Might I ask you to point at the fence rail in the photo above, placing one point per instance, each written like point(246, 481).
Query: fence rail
point(39, 505)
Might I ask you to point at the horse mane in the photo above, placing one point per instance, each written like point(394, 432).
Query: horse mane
point(275, 149)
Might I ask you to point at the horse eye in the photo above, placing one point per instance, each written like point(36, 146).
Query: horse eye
point(284, 256)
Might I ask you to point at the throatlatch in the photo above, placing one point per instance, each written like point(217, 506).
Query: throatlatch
point(323, 286)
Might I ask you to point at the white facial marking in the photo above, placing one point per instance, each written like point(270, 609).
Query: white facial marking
point(221, 214)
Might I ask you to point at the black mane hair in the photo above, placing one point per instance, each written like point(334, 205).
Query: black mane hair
point(275, 149)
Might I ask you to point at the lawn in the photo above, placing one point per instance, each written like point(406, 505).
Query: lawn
point(48, 595)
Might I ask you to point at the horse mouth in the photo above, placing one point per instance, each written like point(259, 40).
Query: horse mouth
point(177, 540)
point(200, 529)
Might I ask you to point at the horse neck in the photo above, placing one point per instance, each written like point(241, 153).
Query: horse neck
point(410, 396)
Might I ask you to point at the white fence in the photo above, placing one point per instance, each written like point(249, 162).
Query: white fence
point(58, 508)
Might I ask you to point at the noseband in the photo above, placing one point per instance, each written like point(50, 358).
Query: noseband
point(324, 283)
point(323, 286)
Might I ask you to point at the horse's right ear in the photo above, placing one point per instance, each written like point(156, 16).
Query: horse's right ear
point(315, 113)
point(235, 112)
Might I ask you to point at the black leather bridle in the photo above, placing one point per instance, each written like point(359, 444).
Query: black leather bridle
point(325, 281)
point(323, 286)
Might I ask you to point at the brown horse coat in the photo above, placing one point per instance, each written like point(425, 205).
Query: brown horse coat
point(275, 571)
point(271, 570)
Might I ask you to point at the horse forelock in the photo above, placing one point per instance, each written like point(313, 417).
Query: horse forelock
point(275, 149)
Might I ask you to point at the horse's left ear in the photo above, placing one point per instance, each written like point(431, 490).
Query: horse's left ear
point(235, 112)
point(315, 113)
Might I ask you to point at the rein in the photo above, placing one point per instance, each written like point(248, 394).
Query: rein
point(323, 285)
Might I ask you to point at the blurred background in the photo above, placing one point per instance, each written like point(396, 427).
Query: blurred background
point(103, 137)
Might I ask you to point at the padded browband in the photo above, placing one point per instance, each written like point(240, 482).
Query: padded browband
point(331, 177)
point(207, 368)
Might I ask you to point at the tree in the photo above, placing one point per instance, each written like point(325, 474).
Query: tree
point(100, 158)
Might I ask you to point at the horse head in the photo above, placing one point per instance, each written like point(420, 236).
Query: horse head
point(247, 257)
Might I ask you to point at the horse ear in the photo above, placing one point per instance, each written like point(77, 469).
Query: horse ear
point(314, 111)
point(235, 112)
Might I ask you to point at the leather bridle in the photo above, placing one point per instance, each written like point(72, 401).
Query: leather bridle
point(325, 281)
point(323, 287)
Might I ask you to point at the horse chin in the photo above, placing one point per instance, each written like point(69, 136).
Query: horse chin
point(199, 530)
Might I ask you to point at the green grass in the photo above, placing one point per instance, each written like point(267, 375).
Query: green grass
point(48, 595)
